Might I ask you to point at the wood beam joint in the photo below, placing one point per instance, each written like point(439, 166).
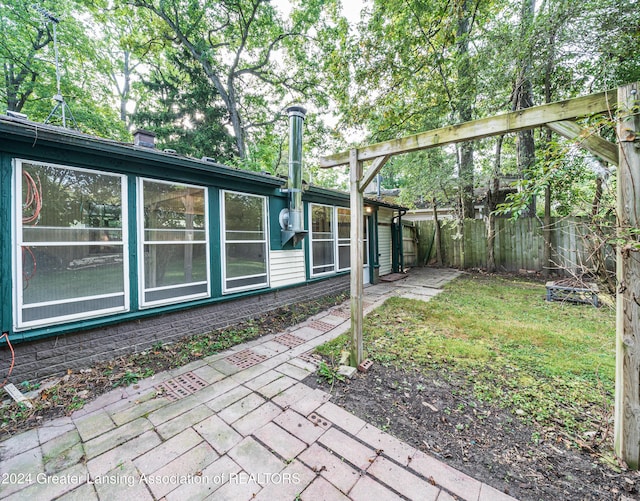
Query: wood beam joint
point(587, 139)
point(373, 170)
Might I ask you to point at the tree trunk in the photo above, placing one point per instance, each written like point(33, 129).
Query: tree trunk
point(464, 109)
point(492, 202)
point(522, 98)
point(597, 242)
point(438, 234)
point(526, 158)
point(10, 88)
point(466, 180)
point(15, 79)
point(595, 206)
point(126, 86)
point(236, 122)
point(546, 232)
point(547, 263)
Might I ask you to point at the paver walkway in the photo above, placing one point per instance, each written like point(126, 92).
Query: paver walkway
point(237, 426)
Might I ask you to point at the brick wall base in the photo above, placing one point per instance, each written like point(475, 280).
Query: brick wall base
point(55, 355)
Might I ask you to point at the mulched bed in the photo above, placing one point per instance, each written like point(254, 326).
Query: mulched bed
point(435, 412)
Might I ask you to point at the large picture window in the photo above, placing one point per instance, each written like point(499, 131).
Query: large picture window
point(70, 238)
point(331, 237)
point(245, 241)
point(344, 238)
point(322, 239)
point(174, 242)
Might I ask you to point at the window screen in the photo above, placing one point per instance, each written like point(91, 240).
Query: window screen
point(245, 241)
point(331, 237)
point(174, 244)
point(323, 239)
point(70, 241)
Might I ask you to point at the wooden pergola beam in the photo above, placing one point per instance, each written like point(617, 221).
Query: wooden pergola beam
point(375, 167)
point(600, 147)
point(536, 116)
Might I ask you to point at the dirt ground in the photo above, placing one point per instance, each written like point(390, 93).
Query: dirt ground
point(436, 413)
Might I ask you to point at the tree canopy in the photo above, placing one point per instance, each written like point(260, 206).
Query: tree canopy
point(214, 78)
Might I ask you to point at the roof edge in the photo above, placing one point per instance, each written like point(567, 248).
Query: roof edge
point(36, 132)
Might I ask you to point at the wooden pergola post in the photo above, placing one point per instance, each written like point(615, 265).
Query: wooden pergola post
point(358, 181)
point(627, 398)
point(357, 260)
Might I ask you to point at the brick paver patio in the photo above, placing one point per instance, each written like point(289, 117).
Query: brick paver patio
point(252, 430)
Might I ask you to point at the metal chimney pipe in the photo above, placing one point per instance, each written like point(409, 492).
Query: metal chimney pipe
point(295, 227)
point(296, 120)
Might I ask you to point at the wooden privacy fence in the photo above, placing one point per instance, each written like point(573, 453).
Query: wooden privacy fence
point(519, 245)
point(409, 245)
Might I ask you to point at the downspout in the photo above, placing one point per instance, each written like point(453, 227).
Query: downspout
point(374, 248)
point(401, 212)
point(291, 219)
point(395, 253)
point(397, 243)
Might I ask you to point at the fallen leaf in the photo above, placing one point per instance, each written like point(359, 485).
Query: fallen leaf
point(432, 407)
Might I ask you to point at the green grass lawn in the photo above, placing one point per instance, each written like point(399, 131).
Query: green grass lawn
point(551, 363)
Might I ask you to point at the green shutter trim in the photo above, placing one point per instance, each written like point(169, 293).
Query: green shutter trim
point(215, 242)
point(307, 241)
point(275, 205)
point(134, 260)
point(5, 244)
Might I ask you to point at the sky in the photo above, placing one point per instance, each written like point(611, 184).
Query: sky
point(350, 8)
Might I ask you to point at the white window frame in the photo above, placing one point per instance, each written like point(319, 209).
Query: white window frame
point(342, 242)
point(17, 237)
point(142, 290)
point(338, 242)
point(365, 241)
point(224, 241)
point(333, 240)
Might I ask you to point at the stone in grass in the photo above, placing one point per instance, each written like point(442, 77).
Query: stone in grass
point(347, 371)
